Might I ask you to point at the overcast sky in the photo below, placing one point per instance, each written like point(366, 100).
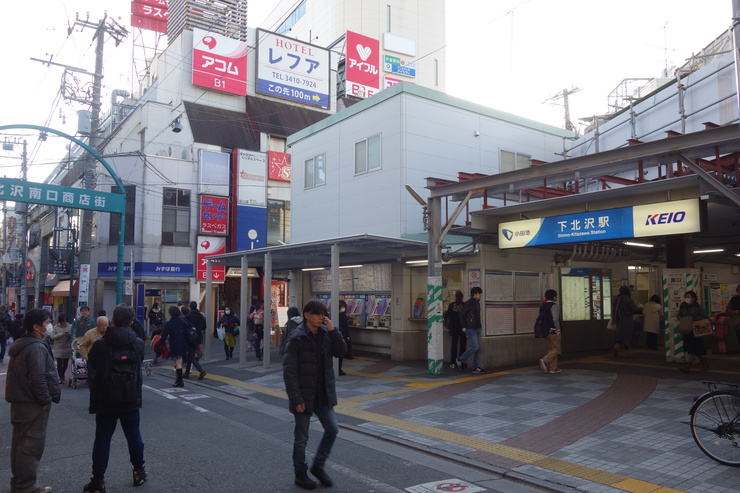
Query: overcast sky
point(511, 55)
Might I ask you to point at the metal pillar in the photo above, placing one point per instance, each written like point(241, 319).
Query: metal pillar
point(335, 255)
point(435, 342)
point(210, 320)
point(266, 339)
point(243, 309)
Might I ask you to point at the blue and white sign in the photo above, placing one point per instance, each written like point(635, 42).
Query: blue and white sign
point(147, 269)
point(290, 69)
point(400, 66)
point(667, 218)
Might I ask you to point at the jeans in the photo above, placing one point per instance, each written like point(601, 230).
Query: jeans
point(105, 425)
point(302, 422)
point(29, 422)
point(474, 349)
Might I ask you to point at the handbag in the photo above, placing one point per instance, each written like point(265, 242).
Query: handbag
point(236, 331)
point(350, 354)
point(702, 328)
point(611, 325)
point(686, 325)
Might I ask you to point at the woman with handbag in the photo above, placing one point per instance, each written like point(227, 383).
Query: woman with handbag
point(653, 313)
point(229, 322)
point(694, 346)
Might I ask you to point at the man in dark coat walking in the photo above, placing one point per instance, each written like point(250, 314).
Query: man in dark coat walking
point(308, 373)
point(111, 402)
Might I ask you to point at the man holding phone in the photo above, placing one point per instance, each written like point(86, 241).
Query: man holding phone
point(312, 345)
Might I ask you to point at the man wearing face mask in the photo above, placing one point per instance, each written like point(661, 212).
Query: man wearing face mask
point(31, 386)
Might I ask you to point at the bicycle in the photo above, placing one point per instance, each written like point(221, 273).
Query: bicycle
point(715, 422)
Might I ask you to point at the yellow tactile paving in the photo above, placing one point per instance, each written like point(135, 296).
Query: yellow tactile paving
point(349, 407)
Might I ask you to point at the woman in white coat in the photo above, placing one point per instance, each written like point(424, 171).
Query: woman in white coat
point(652, 313)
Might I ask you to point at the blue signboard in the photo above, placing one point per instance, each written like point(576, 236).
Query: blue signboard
point(251, 227)
point(640, 221)
point(147, 269)
point(400, 69)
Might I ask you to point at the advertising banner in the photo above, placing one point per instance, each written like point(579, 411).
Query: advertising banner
point(251, 178)
point(290, 69)
point(399, 65)
point(362, 65)
point(219, 63)
point(59, 260)
point(666, 218)
point(214, 173)
point(214, 215)
point(207, 246)
point(150, 15)
point(55, 195)
point(251, 222)
point(278, 166)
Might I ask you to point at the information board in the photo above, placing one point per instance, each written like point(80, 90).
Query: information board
point(499, 286)
point(575, 300)
point(499, 320)
point(526, 316)
point(527, 286)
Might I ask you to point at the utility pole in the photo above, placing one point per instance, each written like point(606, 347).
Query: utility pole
point(23, 235)
point(4, 294)
point(564, 96)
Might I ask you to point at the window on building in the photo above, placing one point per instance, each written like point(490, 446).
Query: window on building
point(176, 217)
point(294, 16)
point(278, 222)
point(367, 154)
point(513, 160)
point(115, 219)
point(315, 171)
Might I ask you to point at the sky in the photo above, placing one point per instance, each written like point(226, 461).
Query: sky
point(511, 55)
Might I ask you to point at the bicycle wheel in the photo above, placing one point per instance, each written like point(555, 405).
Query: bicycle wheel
point(715, 425)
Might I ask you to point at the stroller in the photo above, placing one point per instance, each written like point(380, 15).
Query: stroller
point(79, 365)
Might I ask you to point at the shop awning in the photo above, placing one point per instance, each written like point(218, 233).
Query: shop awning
point(61, 290)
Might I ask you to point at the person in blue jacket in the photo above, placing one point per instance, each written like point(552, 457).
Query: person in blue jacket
point(174, 330)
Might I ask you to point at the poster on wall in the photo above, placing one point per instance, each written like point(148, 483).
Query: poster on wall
point(251, 223)
point(278, 166)
point(291, 69)
point(219, 63)
point(251, 178)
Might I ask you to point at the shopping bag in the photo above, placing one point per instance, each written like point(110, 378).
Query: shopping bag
point(702, 328)
point(221, 332)
point(611, 325)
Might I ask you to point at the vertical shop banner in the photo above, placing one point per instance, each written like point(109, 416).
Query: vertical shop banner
point(150, 15)
point(207, 246)
point(219, 63)
point(214, 173)
point(251, 178)
point(214, 215)
point(362, 65)
point(278, 166)
point(83, 290)
point(290, 69)
point(435, 330)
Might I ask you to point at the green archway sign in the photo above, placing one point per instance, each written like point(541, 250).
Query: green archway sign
point(54, 195)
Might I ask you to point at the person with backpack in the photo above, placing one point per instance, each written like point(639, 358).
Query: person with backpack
point(196, 318)
point(83, 323)
point(194, 340)
point(550, 318)
point(114, 379)
point(175, 330)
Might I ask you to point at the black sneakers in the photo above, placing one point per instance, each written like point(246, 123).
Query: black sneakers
point(302, 480)
point(140, 477)
point(321, 475)
point(94, 486)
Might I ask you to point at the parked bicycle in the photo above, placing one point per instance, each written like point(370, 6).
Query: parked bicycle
point(715, 422)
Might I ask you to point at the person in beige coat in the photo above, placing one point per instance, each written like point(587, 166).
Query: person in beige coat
point(62, 350)
point(652, 314)
point(101, 325)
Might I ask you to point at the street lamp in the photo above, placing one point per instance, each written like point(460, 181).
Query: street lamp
point(70, 316)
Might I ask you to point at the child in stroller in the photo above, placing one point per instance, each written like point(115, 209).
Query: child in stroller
point(79, 365)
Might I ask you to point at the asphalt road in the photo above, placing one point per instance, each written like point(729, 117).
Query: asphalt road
point(201, 439)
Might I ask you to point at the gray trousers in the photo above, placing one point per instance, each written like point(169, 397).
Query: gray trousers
point(29, 422)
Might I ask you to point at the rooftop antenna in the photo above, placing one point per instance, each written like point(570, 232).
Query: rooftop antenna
point(564, 96)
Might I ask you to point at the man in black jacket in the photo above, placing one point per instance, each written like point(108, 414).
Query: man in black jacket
point(471, 327)
point(114, 378)
point(199, 322)
point(31, 385)
point(308, 373)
